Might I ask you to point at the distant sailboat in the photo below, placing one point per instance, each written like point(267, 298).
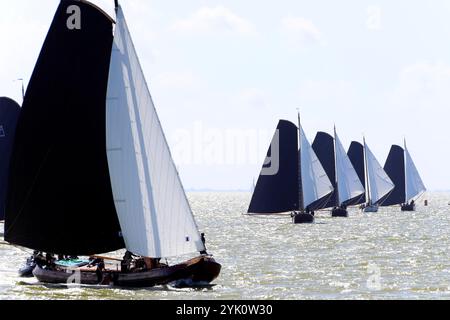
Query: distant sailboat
point(378, 184)
point(292, 177)
point(408, 184)
point(92, 171)
point(9, 114)
point(340, 171)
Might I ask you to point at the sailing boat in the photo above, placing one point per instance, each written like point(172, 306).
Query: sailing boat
point(9, 113)
point(408, 184)
point(91, 170)
point(377, 182)
point(290, 179)
point(340, 171)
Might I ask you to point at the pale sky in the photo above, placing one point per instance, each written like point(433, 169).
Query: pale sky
point(222, 73)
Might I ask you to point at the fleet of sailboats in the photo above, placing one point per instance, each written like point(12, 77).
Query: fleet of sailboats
point(340, 171)
point(374, 179)
point(323, 176)
point(292, 177)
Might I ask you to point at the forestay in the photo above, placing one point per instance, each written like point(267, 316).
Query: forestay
point(153, 210)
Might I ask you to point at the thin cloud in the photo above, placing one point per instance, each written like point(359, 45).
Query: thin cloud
point(254, 98)
point(301, 32)
point(217, 20)
point(423, 84)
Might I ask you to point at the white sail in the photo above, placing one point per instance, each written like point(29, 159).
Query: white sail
point(379, 182)
point(315, 182)
point(413, 183)
point(349, 185)
point(154, 214)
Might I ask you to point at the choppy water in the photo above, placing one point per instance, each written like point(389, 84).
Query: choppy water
point(386, 255)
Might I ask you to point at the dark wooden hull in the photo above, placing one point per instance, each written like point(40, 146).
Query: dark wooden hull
point(408, 207)
point(339, 212)
point(198, 270)
point(303, 218)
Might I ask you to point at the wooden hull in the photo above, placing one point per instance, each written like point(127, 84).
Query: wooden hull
point(339, 212)
point(370, 209)
point(408, 207)
point(198, 270)
point(303, 218)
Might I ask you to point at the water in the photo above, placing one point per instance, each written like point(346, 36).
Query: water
point(385, 255)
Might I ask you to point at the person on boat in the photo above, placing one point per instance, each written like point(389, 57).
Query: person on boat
point(99, 271)
point(125, 264)
point(151, 263)
point(50, 258)
point(204, 244)
point(311, 212)
point(38, 258)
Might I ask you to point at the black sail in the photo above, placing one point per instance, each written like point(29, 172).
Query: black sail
point(59, 198)
point(277, 189)
point(323, 146)
point(356, 156)
point(9, 113)
point(395, 169)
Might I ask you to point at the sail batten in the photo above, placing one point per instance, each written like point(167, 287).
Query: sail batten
point(157, 220)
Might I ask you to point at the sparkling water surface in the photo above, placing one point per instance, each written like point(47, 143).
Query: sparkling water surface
point(384, 255)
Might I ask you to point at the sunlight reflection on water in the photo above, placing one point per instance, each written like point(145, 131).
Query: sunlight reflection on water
point(267, 257)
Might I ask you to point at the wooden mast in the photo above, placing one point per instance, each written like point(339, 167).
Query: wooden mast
point(338, 203)
point(301, 200)
point(366, 172)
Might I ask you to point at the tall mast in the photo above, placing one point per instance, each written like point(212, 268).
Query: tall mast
point(366, 172)
point(336, 189)
point(23, 87)
point(116, 5)
point(406, 181)
point(301, 202)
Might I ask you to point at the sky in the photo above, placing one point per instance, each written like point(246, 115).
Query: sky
point(222, 73)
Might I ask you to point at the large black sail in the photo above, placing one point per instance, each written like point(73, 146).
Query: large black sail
point(60, 197)
point(323, 146)
point(356, 156)
point(277, 189)
point(395, 169)
point(9, 113)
